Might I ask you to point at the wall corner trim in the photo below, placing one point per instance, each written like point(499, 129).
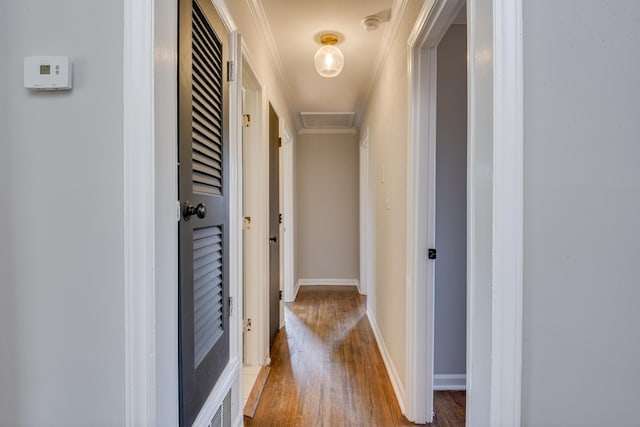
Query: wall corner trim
point(508, 214)
point(138, 141)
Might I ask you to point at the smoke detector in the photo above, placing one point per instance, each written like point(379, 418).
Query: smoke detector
point(371, 22)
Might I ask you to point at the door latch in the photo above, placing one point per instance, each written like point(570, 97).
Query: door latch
point(432, 253)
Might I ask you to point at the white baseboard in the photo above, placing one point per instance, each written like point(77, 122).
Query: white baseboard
point(296, 290)
point(327, 282)
point(396, 382)
point(443, 382)
point(226, 381)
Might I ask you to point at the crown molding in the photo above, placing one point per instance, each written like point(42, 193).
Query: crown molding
point(260, 19)
point(390, 32)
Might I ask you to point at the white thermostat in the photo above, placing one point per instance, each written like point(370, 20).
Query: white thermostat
point(47, 73)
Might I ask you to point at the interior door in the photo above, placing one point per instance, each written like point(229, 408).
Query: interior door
point(274, 224)
point(203, 192)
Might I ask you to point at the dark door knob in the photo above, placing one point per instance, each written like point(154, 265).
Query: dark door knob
point(200, 211)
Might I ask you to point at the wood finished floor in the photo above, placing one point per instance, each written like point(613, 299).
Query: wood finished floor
point(326, 369)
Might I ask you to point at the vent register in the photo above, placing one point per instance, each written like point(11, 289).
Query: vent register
point(208, 291)
point(328, 120)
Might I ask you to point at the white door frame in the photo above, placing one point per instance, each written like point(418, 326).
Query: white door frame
point(150, 236)
point(507, 211)
point(366, 231)
point(255, 262)
point(288, 214)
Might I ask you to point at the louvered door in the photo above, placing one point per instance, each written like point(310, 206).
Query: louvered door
point(203, 188)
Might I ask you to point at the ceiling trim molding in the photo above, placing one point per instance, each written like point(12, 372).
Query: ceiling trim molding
point(260, 18)
point(351, 131)
point(389, 36)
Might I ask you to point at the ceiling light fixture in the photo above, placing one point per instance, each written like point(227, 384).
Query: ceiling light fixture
point(329, 60)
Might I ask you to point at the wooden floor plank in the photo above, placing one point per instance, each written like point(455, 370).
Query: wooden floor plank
point(256, 392)
point(326, 369)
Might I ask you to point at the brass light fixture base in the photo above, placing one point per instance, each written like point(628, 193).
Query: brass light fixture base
point(328, 39)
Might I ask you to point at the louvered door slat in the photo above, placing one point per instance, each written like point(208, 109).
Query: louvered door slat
point(208, 40)
point(203, 181)
point(205, 135)
point(207, 290)
point(206, 108)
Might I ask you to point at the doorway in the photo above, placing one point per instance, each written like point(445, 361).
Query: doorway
point(422, 222)
point(450, 294)
point(274, 225)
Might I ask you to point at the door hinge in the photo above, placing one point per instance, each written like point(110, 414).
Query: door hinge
point(280, 218)
point(432, 253)
point(231, 70)
point(230, 306)
point(280, 295)
point(279, 142)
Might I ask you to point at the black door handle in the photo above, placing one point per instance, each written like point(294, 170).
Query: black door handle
point(200, 211)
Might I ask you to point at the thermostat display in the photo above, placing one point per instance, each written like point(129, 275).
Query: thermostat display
point(47, 73)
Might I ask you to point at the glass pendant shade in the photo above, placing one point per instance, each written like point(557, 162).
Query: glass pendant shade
point(329, 61)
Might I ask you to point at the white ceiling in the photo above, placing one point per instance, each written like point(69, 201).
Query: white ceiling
point(296, 25)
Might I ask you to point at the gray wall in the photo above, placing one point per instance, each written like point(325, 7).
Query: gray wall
point(582, 198)
point(327, 206)
point(62, 341)
point(451, 204)
point(7, 334)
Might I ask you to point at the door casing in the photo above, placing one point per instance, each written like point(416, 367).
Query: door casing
point(494, 209)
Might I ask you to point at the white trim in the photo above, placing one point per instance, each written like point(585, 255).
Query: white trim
point(305, 131)
point(396, 381)
point(449, 382)
point(225, 15)
point(139, 224)
point(166, 194)
point(328, 282)
point(236, 275)
point(431, 25)
point(289, 217)
point(296, 290)
point(260, 19)
point(226, 382)
point(255, 183)
point(366, 233)
point(508, 214)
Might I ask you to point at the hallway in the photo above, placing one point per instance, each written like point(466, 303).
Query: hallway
point(326, 369)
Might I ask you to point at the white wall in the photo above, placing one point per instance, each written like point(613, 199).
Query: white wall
point(327, 206)
point(582, 197)
point(62, 157)
point(386, 116)
point(451, 205)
